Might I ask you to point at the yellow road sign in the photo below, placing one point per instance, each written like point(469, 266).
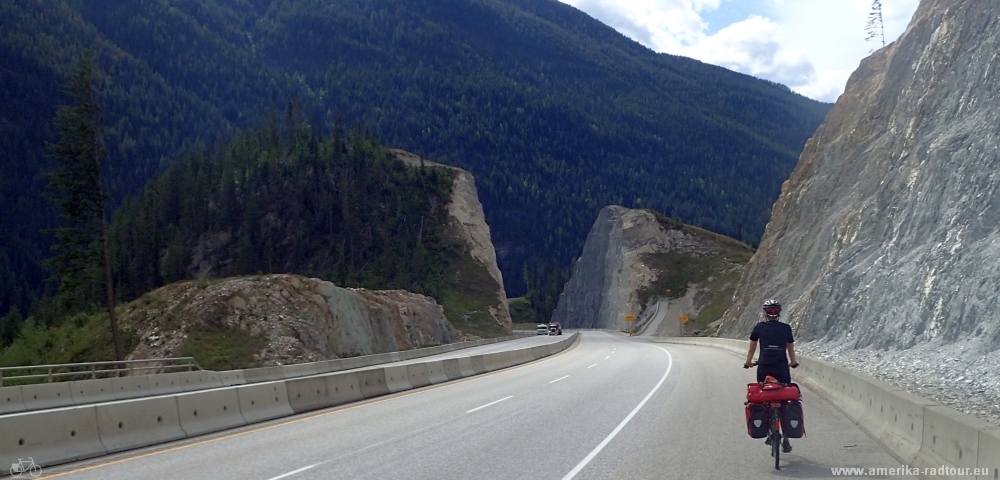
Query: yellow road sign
point(682, 318)
point(630, 318)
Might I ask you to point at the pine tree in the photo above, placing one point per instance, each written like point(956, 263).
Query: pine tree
point(82, 249)
point(875, 27)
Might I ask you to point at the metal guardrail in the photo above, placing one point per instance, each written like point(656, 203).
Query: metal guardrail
point(96, 369)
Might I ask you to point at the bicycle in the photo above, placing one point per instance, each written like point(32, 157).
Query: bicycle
point(776, 407)
point(16, 469)
point(774, 431)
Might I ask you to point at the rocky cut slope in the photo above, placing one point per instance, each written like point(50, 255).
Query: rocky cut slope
point(634, 258)
point(887, 234)
point(280, 320)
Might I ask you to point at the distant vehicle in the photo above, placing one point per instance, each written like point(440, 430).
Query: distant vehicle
point(555, 328)
point(543, 329)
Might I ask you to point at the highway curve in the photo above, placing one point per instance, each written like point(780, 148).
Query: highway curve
point(610, 407)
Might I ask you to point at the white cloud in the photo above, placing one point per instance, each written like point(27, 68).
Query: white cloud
point(754, 46)
point(812, 46)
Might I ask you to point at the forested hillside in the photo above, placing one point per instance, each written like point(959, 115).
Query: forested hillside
point(556, 114)
point(341, 209)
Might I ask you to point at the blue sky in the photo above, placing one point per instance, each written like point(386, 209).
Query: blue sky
point(812, 46)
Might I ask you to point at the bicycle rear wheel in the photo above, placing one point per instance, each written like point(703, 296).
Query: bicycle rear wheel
point(776, 437)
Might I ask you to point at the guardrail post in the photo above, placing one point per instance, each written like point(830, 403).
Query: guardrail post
point(93, 371)
point(49, 380)
point(1, 378)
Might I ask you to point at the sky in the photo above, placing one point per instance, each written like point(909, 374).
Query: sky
point(812, 46)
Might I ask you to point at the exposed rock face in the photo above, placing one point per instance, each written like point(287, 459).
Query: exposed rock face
point(301, 319)
point(616, 266)
point(467, 223)
point(887, 234)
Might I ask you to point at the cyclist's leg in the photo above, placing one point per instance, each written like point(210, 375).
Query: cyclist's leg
point(783, 374)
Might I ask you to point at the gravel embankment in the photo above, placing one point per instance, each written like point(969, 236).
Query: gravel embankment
point(958, 375)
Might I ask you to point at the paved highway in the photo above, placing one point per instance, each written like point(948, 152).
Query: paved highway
point(609, 408)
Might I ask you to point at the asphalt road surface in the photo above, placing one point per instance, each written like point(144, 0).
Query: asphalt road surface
point(610, 407)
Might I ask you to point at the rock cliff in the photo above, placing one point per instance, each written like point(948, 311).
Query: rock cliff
point(288, 319)
point(887, 234)
point(633, 257)
point(476, 300)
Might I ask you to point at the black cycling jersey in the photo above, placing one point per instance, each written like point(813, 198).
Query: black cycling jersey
point(773, 339)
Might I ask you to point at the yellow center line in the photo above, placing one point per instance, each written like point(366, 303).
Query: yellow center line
point(319, 415)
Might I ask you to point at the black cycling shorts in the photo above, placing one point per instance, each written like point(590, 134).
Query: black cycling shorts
point(779, 371)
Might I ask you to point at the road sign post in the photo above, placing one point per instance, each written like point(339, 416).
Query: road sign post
point(631, 321)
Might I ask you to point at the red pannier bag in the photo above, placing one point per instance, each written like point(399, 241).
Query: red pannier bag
point(772, 392)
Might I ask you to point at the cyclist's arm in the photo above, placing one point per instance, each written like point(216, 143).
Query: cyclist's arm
point(753, 348)
point(791, 354)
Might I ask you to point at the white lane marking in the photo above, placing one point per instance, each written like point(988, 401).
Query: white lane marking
point(594, 365)
point(560, 378)
point(491, 403)
point(289, 474)
point(583, 463)
point(607, 357)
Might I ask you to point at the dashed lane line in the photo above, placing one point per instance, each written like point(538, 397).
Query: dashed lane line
point(489, 404)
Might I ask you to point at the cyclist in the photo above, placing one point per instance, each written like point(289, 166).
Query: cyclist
point(775, 339)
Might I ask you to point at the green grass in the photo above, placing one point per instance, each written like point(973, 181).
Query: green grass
point(468, 294)
point(222, 347)
point(715, 277)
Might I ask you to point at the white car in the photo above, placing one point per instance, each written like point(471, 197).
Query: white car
point(543, 329)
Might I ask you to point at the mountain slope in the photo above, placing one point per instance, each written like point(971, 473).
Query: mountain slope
point(554, 113)
point(634, 259)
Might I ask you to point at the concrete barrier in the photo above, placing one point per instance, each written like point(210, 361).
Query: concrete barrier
point(164, 384)
point(96, 390)
point(451, 369)
point(465, 367)
point(478, 365)
point(213, 379)
point(231, 378)
point(418, 375)
point(397, 379)
point(130, 387)
point(263, 374)
point(51, 436)
point(209, 411)
point(492, 362)
point(300, 370)
point(138, 423)
point(989, 453)
point(323, 391)
point(524, 355)
point(10, 401)
point(372, 382)
point(435, 372)
point(263, 401)
point(191, 381)
point(950, 438)
point(344, 387)
point(41, 396)
point(541, 351)
point(309, 393)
